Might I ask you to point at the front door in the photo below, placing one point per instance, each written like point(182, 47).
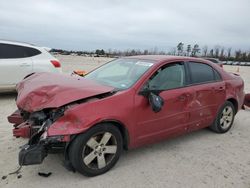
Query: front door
point(169, 81)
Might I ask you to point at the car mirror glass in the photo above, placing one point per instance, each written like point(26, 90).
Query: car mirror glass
point(156, 102)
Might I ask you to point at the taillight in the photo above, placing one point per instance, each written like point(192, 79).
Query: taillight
point(56, 63)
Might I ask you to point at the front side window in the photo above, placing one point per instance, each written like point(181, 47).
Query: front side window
point(168, 77)
point(9, 51)
point(120, 73)
point(201, 73)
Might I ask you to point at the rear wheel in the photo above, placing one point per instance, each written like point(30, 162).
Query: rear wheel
point(224, 119)
point(96, 151)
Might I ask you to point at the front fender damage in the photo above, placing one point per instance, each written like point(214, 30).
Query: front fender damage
point(69, 124)
point(50, 130)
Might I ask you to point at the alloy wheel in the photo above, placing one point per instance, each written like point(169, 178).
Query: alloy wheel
point(99, 150)
point(226, 117)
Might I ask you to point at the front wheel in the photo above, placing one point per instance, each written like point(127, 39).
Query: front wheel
point(224, 119)
point(96, 151)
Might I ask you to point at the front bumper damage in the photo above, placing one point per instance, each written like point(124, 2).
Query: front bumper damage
point(34, 151)
point(35, 126)
point(32, 154)
point(21, 128)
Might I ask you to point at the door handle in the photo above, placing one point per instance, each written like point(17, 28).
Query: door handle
point(183, 97)
point(25, 65)
point(220, 89)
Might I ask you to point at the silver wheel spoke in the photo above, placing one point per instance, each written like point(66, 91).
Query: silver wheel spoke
point(225, 124)
point(92, 143)
point(89, 158)
point(101, 161)
point(110, 149)
point(230, 118)
point(221, 120)
point(224, 112)
point(105, 138)
point(229, 110)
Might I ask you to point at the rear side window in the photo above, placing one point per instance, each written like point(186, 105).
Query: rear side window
point(202, 73)
point(217, 75)
point(9, 51)
point(32, 52)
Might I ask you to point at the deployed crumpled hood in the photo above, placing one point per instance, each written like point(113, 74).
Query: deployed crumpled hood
point(50, 90)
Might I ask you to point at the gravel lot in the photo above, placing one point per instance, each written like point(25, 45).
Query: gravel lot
point(198, 159)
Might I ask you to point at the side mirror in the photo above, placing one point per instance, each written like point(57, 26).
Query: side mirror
point(156, 102)
point(145, 91)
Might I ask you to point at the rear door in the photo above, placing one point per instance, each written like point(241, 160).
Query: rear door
point(15, 64)
point(208, 94)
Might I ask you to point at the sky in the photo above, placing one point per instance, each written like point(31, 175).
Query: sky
point(126, 24)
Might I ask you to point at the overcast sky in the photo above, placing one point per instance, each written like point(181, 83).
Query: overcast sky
point(126, 24)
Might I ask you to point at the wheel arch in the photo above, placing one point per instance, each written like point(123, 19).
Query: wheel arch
point(234, 102)
point(122, 128)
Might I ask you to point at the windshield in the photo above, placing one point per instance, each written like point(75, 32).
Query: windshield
point(120, 73)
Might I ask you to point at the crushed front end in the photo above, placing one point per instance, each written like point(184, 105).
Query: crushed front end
point(47, 112)
point(34, 126)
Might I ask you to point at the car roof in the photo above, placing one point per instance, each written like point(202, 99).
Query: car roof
point(211, 58)
point(16, 43)
point(160, 58)
point(25, 44)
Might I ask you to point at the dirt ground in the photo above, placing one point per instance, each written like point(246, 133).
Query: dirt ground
point(199, 159)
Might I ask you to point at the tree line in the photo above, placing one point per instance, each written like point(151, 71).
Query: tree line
point(219, 52)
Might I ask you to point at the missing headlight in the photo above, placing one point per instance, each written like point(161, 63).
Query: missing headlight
point(38, 118)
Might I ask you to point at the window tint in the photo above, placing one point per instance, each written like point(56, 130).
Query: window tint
point(217, 75)
point(32, 51)
point(168, 77)
point(201, 73)
point(8, 51)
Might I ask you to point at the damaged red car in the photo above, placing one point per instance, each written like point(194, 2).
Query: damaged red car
point(126, 103)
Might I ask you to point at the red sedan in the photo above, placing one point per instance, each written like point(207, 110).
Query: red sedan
point(126, 103)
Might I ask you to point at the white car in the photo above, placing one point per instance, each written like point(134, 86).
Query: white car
point(20, 59)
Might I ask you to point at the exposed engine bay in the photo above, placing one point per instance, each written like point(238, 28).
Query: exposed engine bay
point(35, 126)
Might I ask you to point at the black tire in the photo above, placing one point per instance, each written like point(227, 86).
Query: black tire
point(219, 127)
point(79, 150)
